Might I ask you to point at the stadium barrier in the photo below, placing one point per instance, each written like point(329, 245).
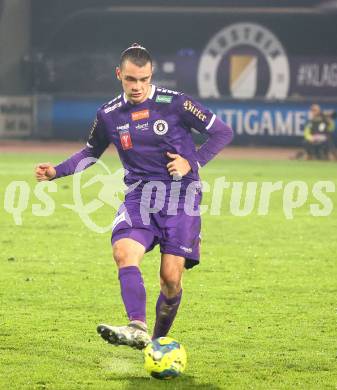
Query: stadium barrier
point(16, 116)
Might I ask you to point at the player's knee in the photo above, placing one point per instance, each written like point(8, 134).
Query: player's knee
point(123, 257)
point(127, 253)
point(170, 283)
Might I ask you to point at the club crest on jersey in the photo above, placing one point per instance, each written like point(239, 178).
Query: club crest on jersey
point(160, 127)
point(138, 115)
point(189, 106)
point(125, 138)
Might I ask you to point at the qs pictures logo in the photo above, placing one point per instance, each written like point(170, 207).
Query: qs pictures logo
point(244, 60)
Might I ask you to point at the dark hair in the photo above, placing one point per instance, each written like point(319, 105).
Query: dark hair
point(136, 54)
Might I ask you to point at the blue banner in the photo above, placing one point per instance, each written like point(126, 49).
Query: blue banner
point(254, 123)
point(261, 123)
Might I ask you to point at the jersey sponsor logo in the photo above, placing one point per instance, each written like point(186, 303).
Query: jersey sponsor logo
point(123, 127)
point(189, 106)
point(248, 50)
point(125, 138)
point(143, 126)
point(160, 127)
point(112, 108)
point(138, 115)
point(164, 99)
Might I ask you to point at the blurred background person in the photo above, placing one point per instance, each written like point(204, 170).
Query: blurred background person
point(318, 139)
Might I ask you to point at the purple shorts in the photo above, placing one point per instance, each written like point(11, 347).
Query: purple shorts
point(163, 214)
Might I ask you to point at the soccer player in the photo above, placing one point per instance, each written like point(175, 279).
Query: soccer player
point(151, 130)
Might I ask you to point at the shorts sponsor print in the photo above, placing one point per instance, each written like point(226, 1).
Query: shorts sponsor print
point(161, 217)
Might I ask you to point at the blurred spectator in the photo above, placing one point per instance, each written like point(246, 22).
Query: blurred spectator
point(318, 139)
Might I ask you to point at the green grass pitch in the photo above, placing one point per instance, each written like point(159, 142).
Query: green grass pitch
point(258, 313)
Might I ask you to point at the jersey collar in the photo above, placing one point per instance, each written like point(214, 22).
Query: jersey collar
point(153, 90)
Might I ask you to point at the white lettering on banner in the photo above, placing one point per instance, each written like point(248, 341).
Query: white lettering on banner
point(317, 75)
point(16, 116)
point(267, 125)
point(265, 122)
point(251, 126)
point(283, 123)
point(239, 122)
point(229, 115)
point(300, 119)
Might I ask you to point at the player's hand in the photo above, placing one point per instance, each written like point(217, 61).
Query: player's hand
point(178, 167)
point(44, 171)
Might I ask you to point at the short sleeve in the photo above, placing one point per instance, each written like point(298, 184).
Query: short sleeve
point(195, 115)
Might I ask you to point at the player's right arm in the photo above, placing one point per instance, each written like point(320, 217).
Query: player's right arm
point(96, 145)
point(45, 171)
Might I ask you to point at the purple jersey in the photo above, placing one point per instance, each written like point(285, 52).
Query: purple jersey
point(144, 133)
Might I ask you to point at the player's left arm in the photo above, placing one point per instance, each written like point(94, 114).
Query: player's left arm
point(205, 121)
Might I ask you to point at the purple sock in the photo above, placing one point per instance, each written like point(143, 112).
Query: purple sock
point(133, 293)
point(166, 310)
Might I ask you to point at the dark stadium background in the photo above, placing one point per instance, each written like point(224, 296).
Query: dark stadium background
point(62, 56)
point(260, 310)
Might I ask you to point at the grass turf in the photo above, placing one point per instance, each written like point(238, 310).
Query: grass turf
point(258, 313)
